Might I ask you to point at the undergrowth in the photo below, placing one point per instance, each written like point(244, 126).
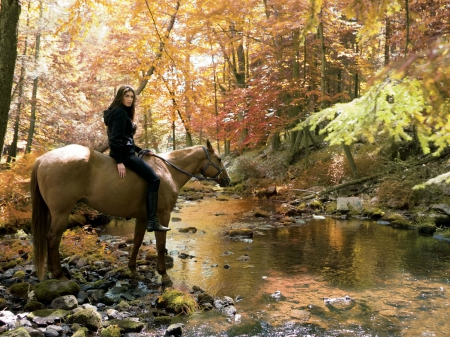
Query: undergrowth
point(77, 241)
point(15, 207)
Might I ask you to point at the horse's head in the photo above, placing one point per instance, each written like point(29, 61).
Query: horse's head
point(214, 167)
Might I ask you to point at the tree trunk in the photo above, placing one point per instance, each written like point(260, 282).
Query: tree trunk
point(9, 21)
point(35, 84)
point(159, 54)
point(322, 66)
point(387, 39)
point(275, 141)
point(187, 106)
point(12, 153)
point(407, 26)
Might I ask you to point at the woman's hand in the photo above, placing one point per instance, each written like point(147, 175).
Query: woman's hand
point(122, 170)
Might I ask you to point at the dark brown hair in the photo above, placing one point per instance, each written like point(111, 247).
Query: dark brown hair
point(119, 99)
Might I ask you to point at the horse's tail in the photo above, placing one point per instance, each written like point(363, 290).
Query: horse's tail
point(39, 223)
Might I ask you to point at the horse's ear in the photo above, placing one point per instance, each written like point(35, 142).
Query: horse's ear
point(209, 146)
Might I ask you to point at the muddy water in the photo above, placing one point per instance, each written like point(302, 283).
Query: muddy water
point(398, 280)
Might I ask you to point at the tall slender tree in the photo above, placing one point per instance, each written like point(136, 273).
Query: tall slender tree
point(9, 21)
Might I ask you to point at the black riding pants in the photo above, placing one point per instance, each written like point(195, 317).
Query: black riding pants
point(144, 170)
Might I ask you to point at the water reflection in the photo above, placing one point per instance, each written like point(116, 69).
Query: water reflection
point(398, 278)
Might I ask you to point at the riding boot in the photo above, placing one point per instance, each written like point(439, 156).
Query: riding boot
point(152, 219)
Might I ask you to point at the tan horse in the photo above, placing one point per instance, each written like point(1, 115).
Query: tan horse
point(74, 173)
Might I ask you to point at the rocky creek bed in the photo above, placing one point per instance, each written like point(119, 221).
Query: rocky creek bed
point(101, 299)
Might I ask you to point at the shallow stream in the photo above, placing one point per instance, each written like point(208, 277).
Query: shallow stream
point(398, 280)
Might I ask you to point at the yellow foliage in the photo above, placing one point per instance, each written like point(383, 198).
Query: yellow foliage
point(79, 242)
point(178, 302)
point(15, 209)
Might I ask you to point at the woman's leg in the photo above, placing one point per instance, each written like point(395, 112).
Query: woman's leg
point(144, 170)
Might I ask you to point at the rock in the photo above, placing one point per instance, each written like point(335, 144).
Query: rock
point(347, 204)
point(8, 318)
point(229, 310)
point(203, 299)
point(111, 331)
point(127, 325)
point(47, 316)
point(67, 302)
point(20, 290)
point(48, 290)
point(81, 333)
point(51, 333)
point(82, 262)
point(175, 330)
point(20, 332)
point(89, 318)
point(339, 303)
point(243, 258)
point(442, 208)
point(34, 305)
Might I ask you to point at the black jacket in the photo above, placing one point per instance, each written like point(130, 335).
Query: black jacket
point(120, 133)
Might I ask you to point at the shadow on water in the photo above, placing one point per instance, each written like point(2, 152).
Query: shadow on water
point(397, 280)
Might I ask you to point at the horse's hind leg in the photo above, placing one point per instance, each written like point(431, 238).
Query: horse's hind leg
point(57, 227)
point(139, 232)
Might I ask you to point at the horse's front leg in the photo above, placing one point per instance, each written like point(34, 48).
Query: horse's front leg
point(161, 250)
point(54, 235)
point(139, 232)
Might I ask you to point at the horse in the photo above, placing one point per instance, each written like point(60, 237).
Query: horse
point(74, 173)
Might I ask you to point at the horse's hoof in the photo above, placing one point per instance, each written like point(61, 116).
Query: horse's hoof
point(166, 281)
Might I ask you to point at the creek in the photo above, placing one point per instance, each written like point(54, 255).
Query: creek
point(285, 278)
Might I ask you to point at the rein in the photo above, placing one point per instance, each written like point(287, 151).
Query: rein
point(190, 174)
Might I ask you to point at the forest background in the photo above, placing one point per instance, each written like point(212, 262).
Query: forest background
point(284, 74)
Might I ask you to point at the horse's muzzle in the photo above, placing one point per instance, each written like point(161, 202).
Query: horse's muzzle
point(224, 182)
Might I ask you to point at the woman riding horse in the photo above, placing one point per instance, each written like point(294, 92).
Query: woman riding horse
point(119, 119)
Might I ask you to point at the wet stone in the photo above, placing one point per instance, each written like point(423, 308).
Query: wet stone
point(51, 333)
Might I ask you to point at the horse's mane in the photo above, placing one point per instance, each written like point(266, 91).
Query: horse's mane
point(176, 153)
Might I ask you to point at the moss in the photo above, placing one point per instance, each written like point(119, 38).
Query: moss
point(34, 305)
point(373, 212)
point(48, 290)
point(127, 325)
point(302, 208)
point(56, 314)
point(20, 290)
point(178, 302)
point(239, 188)
point(260, 213)
point(3, 303)
point(81, 332)
point(316, 204)
point(10, 264)
point(20, 332)
point(331, 207)
point(444, 233)
point(20, 274)
point(247, 232)
point(123, 305)
point(89, 318)
point(427, 228)
point(398, 220)
point(162, 320)
point(111, 331)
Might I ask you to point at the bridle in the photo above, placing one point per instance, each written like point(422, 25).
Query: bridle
point(210, 163)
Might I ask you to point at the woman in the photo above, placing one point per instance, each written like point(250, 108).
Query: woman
point(119, 120)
